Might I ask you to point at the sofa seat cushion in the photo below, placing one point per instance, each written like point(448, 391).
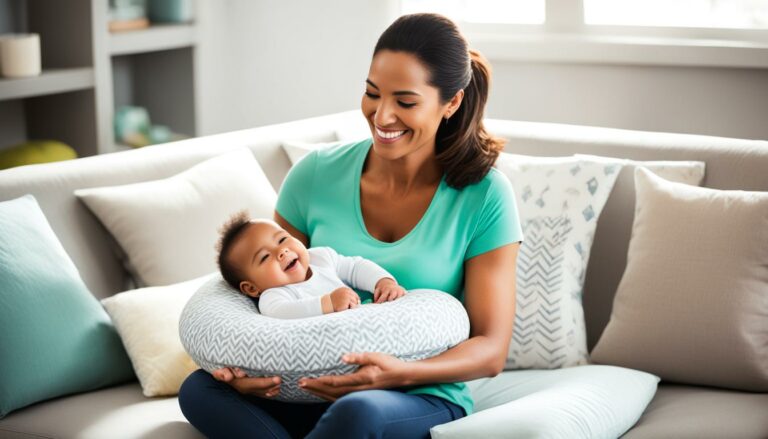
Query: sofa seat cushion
point(704, 413)
point(115, 412)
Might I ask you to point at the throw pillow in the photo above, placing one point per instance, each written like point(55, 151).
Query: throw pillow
point(559, 201)
point(296, 150)
point(147, 320)
point(693, 301)
point(577, 402)
point(55, 339)
point(168, 228)
point(682, 171)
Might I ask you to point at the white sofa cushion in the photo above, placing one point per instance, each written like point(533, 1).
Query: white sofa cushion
point(120, 412)
point(579, 402)
point(168, 228)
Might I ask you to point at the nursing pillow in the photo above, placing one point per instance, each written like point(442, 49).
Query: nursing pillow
point(221, 327)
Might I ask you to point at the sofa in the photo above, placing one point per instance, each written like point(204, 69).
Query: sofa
point(676, 410)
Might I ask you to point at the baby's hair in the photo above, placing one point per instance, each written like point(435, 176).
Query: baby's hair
point(228, 233)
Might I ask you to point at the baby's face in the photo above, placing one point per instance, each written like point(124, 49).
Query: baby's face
point(268, 257)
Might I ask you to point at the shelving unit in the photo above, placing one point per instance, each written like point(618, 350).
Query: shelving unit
point(157, 37)
point(89, 72)
point(51, 81)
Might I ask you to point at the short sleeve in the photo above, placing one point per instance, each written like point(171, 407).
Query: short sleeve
point(499, 222)
point(295, 193)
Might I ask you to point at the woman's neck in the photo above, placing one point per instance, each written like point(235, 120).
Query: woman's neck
point(400, 176)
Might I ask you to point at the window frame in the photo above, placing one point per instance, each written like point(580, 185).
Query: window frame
point(564, 37)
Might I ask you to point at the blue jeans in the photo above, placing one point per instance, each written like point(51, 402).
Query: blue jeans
point(220, 411)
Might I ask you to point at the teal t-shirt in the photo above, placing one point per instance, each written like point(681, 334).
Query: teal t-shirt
point(321, 198)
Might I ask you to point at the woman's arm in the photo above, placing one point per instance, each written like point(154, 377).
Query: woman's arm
point(490, 303)
point(292, 230)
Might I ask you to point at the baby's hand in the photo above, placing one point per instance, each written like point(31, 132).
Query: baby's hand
point(344, 298)
point(387, 290)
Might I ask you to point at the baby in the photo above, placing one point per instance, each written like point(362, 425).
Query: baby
point(263, 261)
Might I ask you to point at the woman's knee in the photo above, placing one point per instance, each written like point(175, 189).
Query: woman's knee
point(194, 390)
point(366, 404)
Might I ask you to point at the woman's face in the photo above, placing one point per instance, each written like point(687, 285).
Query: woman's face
point(402, 109)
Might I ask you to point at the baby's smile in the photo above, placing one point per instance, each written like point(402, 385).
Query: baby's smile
point(292, 265)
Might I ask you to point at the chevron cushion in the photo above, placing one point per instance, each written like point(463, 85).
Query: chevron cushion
point(220, 327)
point(560, 200)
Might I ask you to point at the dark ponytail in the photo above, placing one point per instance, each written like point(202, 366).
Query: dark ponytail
point(463, 148)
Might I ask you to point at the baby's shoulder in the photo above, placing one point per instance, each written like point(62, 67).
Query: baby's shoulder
point(322, 256)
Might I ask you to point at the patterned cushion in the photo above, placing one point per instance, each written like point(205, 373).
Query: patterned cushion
point(560, 199)
point(221, 327)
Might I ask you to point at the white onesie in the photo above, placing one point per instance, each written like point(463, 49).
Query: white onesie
point(330, 271)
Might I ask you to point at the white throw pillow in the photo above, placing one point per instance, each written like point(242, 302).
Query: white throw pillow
point(600, 402)
point(680, 171)
point(147, 320)
point(296, 150)
point(168, 228)
point(559, 201)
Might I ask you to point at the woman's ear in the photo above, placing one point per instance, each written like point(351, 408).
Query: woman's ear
point(249, 289)
point(454, 103)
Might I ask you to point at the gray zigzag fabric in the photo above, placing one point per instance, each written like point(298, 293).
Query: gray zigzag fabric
point(560, 200)
point(221, 327)
point(539, 330)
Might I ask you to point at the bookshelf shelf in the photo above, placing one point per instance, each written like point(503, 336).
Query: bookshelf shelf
point(89, 72)
point(154, 38)
point(51, 81)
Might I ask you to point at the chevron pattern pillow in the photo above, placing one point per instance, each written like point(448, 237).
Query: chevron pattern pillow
point(560, 200)
point(220, 327)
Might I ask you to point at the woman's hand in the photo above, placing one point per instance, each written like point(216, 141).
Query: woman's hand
point(377, 371)
point(263, 387)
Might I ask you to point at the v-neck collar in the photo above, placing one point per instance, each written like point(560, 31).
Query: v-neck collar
point(359, 210)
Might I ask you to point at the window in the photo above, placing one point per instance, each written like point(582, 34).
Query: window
point(727, 33)
point(735, 14)
point(726, 14)
point(482, 11)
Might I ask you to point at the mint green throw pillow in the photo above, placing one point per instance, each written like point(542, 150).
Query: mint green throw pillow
point(55, 338)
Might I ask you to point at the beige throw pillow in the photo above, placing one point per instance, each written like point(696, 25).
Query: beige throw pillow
point(168, 228)
point(692, 306)
point(147, 320)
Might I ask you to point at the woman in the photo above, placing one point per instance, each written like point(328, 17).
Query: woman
point(420, 199)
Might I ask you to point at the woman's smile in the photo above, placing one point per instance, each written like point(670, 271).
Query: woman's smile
point(389, 136)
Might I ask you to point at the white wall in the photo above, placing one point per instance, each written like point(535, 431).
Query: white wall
point(700, 100)
point(274, 61)
point(270, 61)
